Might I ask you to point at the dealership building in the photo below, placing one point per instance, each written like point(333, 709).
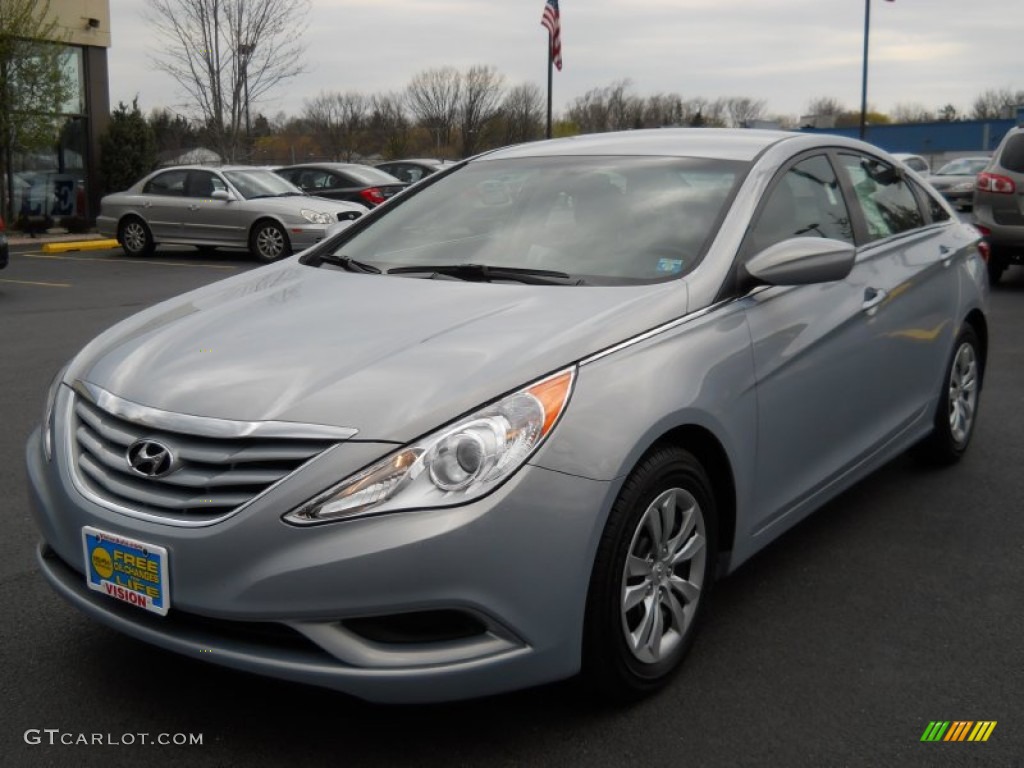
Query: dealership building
point(63, 181)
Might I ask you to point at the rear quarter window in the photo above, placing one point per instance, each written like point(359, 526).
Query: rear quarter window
point(1012, 157)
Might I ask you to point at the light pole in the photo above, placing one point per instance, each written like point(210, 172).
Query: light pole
point(864, 71)
point(245, 50)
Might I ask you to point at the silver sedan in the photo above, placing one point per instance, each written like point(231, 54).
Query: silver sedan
point(230, 206)
point(512, 425)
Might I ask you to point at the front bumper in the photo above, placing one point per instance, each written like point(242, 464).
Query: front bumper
point(256, 594)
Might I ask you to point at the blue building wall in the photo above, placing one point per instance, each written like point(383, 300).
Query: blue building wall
point(931, 138)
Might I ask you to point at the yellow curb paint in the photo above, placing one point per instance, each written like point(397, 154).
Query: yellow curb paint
point(33, 282)
point(79, 245)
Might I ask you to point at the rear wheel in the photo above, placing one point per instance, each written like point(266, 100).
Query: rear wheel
point(958, 402)
point(651, 578)
point(135, 237)
point(268, 242)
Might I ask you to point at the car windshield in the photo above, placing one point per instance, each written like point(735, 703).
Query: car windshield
point(257, 182)
point(603, 220)
point(964, 167)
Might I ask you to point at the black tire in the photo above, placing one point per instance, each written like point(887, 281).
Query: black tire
point(959, 397)
point(269, 242)
point(613, 664)
point(135, 238)
point(996, 267)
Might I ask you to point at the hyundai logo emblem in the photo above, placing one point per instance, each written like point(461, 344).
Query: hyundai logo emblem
point(150, 458)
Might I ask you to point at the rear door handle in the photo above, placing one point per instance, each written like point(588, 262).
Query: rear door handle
point(872, 298)
point(194, 207)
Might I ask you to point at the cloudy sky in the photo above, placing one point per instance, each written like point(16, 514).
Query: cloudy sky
point(928, 52)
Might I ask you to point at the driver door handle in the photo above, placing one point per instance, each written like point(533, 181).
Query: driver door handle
point(872, 298)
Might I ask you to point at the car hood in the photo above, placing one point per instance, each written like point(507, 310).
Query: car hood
point(392, 357)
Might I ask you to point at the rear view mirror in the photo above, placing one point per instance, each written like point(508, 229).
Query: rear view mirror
point(221, 194)
point(802, 261)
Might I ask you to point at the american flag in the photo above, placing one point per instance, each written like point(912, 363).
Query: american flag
point(551, 20)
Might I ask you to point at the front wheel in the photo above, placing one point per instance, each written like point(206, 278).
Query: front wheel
point(268, 242)
point(958, 402)
point(652, 575)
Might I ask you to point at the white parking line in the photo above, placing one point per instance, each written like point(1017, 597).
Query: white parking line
point(33, 255)
point(34, 282)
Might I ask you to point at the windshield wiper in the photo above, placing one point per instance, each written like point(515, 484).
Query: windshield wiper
point(487, 273)
point(349, 264)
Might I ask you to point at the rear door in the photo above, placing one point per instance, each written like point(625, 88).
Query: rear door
point(162, 204)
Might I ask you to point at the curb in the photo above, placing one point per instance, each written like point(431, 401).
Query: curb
point(79, 245)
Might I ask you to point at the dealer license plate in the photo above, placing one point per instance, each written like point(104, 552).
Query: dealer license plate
point(127, 570)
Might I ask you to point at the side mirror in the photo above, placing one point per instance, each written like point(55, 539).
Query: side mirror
point(221, 194)
point(802, 261)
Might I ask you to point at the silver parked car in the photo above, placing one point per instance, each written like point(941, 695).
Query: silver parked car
point(955, 180)
point(511, 426)
point(230, 206)
point(999, 204)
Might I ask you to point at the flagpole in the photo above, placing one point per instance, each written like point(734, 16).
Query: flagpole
point(864, 72)
point(550, 65)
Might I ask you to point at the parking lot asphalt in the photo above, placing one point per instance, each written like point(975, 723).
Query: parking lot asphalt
point(898, 604)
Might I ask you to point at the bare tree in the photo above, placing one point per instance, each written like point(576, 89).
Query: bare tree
point(482, 89)
point(337, 120)
point(996, 103)
point(911, 112)
point(825, 106)
point(389, 124)
point(523, 110)
point(744, 110)
point(227, 54)
point(34, 85)
point(434, 97)
point(612, 108)
point(662, 110)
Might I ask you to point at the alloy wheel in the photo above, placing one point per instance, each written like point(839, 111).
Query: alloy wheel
point(663, 576)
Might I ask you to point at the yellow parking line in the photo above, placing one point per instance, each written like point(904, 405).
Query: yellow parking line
point(123, 261)
point(33, 282)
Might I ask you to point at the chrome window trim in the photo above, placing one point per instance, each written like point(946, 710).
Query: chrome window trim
point(203, 426)
point(655, 331)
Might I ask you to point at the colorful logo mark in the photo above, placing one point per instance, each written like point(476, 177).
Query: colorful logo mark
point(958, 730)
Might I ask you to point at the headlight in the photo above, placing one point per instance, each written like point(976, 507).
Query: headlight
point(51, 397)
point(316, 217)
point(963, 186)
point(454, 465)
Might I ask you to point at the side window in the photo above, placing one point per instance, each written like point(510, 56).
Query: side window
point(1012, 157)
point(314, 179)
point(203, 184)
point(167, 183)
point(935, 210)
point(805, 202)
point(887, 201)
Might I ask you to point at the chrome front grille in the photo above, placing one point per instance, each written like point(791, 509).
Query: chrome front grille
point(211, 474)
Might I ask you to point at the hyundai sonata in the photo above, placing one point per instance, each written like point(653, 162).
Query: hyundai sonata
point(511, 426)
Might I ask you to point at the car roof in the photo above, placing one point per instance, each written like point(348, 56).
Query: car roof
point(720, 143)
point(330, 165)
